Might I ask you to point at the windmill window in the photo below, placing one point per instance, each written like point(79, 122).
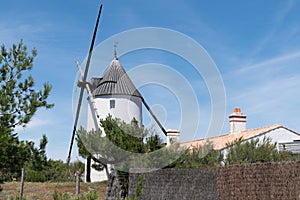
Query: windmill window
point(112, 104)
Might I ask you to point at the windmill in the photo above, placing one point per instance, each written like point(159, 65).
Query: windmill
point(109, 94)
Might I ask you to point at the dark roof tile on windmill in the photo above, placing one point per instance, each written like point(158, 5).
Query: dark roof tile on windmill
point(115, 81)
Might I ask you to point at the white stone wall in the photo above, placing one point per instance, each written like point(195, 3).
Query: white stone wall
point(282, 135)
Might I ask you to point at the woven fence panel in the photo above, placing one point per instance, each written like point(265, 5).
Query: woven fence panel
point(262, 181)
point(259, 181)
point(176, 184)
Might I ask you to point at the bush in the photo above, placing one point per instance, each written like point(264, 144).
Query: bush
point(35, 176)
point(91, 195)
point(254, 151)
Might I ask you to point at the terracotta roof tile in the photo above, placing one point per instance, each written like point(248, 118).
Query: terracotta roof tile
point(220, 142)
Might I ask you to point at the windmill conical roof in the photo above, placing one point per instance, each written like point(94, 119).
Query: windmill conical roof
point(116, 81)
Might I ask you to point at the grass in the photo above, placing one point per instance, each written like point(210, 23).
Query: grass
point(45, 191)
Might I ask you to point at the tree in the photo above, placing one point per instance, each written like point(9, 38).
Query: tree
point(255, 151)
point(200, 156)
point(37, 162)
point(38, 168)
point(129, 138)
point(13, 155)
point(19, 101)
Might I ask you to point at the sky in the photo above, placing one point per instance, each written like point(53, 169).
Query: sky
point(255, 46)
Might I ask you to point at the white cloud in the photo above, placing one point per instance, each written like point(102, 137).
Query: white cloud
point(267, 91)
point(11, 32)
point(36, 122)
point(282, 60)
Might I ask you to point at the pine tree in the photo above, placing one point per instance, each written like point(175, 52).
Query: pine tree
point(19, 101)
point(128, 138)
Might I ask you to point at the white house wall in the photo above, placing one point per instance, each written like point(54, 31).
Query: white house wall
point(282, 135)
point(279, 135)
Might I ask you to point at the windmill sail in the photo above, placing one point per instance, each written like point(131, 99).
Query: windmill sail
point(84, 81)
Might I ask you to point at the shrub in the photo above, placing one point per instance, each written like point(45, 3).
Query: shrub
point(35, 176)
point(91, 195)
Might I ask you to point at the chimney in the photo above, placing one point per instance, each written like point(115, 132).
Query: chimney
point(172, 136)
point(237, 121)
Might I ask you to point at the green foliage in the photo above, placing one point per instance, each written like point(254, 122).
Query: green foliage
point(77, 166)
point(91, 195)
point(55, 171)
point(200, 156)
point(38, 160)
point(255, 151)
point(153, 143)
point(35, 176)
point(16, 198)
point(139, 186)
point(13, 155)
point(38, 168)
point(62, 196)
point(19, 101)
point(129, 138)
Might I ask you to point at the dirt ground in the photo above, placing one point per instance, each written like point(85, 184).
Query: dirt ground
point(45, 191)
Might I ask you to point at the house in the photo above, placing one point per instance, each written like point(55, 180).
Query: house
point(285, 138)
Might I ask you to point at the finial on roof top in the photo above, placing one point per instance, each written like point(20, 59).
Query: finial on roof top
point(115, 50)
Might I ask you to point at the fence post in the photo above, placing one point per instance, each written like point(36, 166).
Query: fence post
point(22, 184)
point(77, 183)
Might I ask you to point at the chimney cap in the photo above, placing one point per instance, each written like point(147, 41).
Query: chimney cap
point(237, 113)
point(237, 110)
point(173, 132)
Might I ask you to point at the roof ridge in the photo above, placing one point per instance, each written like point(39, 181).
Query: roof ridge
point(270, 127)
point(220, 141)
point(273, 126)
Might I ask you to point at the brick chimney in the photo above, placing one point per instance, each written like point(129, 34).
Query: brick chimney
point(237, 121)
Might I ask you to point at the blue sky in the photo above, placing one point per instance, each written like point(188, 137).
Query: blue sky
point(255, 45)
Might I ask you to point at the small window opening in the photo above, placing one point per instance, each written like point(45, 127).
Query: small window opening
point(112, 104)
